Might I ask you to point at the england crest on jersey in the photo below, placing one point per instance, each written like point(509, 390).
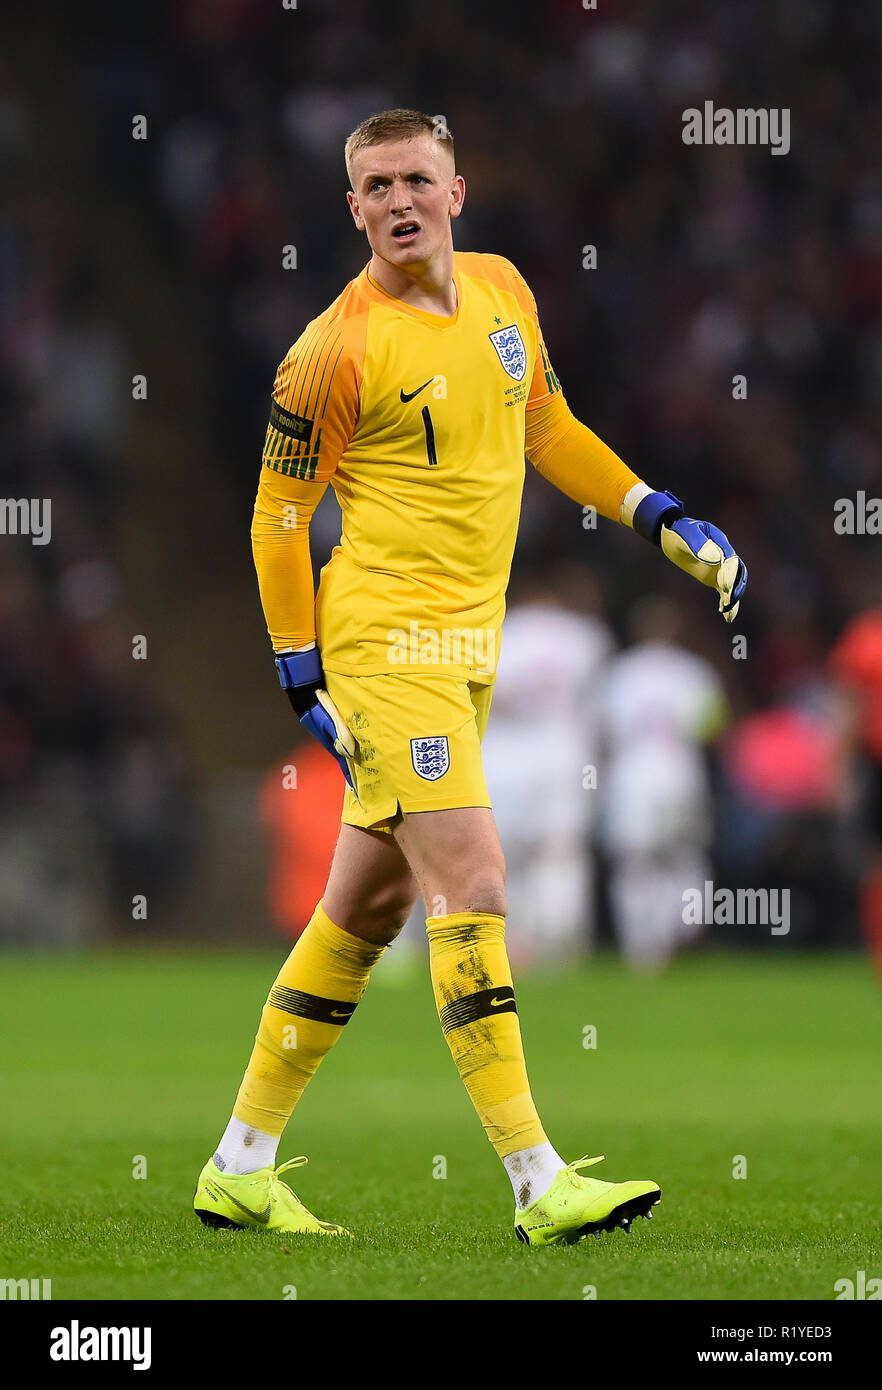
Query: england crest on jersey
point(510, 349)
point(430, 757)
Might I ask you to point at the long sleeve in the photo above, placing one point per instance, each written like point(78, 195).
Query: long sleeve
point(280, 546)
point(313, 413)
point(572, 457)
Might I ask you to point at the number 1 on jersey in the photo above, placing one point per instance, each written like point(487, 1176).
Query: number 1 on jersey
point(430, 436)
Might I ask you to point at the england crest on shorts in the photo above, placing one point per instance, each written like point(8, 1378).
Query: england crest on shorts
point(430, 757)
point(510, 349)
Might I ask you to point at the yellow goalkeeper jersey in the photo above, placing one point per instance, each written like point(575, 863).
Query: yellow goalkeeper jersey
point(419, 424)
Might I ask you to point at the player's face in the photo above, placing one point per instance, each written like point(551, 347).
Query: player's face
point(405, 194)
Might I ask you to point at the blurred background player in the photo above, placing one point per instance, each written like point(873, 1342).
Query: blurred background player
point(659, 707)
point(553, 651)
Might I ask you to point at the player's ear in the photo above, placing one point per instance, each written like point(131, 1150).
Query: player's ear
point(352, 200)
point(457, 195)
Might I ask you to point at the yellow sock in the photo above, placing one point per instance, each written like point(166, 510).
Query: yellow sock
point(476, 1005)
point(309, 1005)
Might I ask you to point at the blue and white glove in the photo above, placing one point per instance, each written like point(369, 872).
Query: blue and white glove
point(697, 547)
point(302, 677)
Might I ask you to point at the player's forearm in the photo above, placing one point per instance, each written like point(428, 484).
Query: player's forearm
point(284, 576)
point(575, 461)
point(280, 546)
point(578, 463)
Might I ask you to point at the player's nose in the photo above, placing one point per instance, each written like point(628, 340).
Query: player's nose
point(400, 201)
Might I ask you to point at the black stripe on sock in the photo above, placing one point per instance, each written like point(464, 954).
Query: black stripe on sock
point(480, 1005)
point(295, 1001)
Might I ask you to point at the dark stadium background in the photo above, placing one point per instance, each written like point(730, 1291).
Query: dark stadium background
point(163, 257)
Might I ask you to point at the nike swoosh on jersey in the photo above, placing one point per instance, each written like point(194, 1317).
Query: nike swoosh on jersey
point(409, 395)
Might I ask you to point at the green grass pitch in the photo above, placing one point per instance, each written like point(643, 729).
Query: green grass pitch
point(112, 1055)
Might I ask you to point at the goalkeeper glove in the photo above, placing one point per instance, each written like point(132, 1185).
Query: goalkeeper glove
point(697, 547)
point(302, 677)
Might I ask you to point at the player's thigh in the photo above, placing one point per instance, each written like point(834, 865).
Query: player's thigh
point(456, 858)
point(371, 889)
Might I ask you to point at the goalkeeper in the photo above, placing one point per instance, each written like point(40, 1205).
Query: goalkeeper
point(416, 395)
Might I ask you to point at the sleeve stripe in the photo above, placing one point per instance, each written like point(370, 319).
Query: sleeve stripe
point(306, 389)
point(276, 445)
point(294, 394)
point(326, 357)
point(331, 378)
point(318, 357)
point(303, 389)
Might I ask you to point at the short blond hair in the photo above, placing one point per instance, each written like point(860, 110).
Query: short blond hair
point(400, 124)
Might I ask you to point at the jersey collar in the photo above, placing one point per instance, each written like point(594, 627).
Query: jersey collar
point(434, 320)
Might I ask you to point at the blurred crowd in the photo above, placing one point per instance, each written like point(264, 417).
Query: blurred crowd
point(711, 262)
point(93, 779)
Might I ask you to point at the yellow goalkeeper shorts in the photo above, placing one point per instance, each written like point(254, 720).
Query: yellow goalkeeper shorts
point(419, 743)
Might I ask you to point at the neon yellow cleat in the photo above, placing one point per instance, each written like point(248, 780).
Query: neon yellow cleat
point(258, 1199)
point(574, 1207)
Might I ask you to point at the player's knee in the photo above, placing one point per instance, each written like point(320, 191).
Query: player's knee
point(492, 901)
point(485, 890)
point(383, 914)
point(394, 904)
